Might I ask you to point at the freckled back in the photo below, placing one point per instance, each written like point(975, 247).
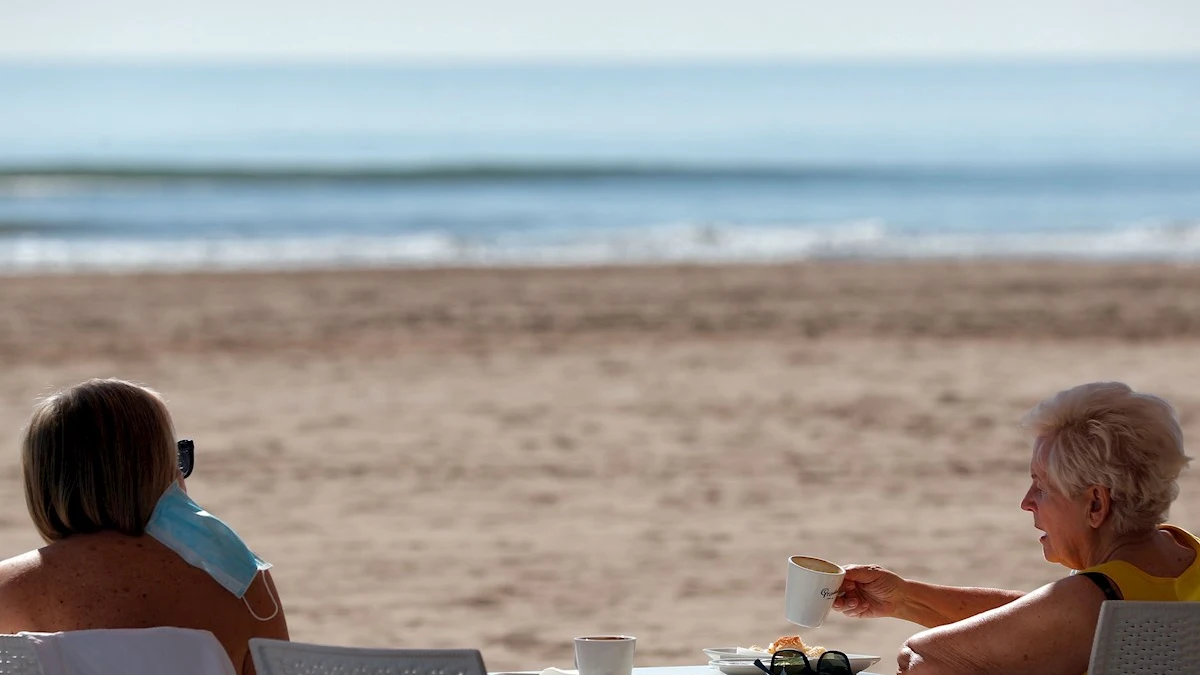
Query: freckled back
point(110, 580)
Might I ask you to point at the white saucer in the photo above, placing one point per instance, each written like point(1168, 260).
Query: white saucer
point(717, 653)
point(744, 665)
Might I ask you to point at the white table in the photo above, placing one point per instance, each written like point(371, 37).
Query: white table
point(693, 670)
point(655, 670)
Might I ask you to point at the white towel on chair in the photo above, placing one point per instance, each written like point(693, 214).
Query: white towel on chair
point(141, 651)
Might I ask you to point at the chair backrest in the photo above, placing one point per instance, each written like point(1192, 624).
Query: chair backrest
point(279, 657)
point(120, 651)
point(17, 656)
point(1135, 637)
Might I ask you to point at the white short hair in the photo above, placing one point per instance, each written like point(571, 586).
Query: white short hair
point(1106, 434)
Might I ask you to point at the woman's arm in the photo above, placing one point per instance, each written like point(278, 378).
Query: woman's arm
point(933, 605)
point(1048, 631)
point(871, 591)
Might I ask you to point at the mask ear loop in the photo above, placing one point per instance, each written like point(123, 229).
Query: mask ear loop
point(269, 595)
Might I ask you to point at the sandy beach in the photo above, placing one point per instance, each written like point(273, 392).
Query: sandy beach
point(503, 459)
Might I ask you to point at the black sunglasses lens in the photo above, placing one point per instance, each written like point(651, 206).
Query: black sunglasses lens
point(834, 663)
point(187, 457)
point(790, 662)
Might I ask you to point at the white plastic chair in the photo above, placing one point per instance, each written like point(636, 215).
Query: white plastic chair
point(280, 657)
point(119, 651)
point(1151, 638)
point(17, 656)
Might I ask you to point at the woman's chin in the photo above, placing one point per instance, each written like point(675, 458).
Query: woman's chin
point(1048, 551)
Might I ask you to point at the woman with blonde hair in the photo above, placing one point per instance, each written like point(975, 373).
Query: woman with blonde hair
point(1104, 473)
point(126, 547)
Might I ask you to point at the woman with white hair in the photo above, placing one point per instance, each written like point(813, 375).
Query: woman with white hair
point(1104, 470)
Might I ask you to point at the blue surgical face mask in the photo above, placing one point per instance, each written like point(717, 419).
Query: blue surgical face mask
point(204, 541)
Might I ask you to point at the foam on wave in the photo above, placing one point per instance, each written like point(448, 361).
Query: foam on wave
point(667, 243)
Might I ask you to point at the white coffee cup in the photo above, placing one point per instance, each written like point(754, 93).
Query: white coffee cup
point(604, 654)
point(812, 584)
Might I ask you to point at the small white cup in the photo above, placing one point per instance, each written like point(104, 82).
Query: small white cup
point(812, 584)
point(604, 654)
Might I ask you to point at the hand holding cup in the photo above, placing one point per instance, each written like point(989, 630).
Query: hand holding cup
point(869, 591)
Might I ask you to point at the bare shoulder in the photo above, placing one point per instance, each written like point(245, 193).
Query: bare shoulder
point(20, 567)
point(1051, 627)
point(20, 571)
point(19, 582)
point(1061, 612)
point(262, 599)
point(1074, 598)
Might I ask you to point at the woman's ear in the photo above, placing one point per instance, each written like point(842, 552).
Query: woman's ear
point(1099, 505)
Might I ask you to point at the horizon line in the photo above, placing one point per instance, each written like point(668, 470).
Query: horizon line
point(583, 61)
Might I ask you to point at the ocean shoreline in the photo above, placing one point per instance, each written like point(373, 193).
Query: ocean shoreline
point(863, 244)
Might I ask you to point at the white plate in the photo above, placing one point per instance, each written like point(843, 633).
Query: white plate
point(717, 653)
point(745, 665)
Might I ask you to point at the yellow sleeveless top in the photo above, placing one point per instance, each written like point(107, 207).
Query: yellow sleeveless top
point(1135, 584)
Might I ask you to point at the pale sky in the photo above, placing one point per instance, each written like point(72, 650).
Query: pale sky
point(594, 30)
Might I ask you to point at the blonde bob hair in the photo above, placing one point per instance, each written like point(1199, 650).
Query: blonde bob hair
point(97, 456)
point(1106, 434)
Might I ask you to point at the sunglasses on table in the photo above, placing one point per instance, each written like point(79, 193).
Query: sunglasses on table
point(187, 456)
point(796, 662)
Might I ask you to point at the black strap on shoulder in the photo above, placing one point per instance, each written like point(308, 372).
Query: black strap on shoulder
point(1111, 592)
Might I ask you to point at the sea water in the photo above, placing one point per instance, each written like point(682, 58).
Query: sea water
point(117, 167)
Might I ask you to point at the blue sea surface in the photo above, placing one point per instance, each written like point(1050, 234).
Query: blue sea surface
point(117, 167)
